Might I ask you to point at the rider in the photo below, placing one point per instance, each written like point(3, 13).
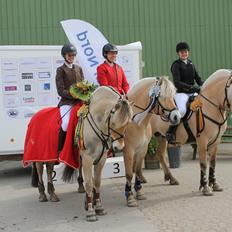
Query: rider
point(111, 74)
point(184, 76)
point(66, 75)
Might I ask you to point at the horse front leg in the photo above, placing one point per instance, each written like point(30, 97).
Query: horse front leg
point(128, 162)
point(41, 188)
point(51, 189)
point(161, 154)
point(212, 179)
point(202, 150)
point(87, 164)
point(138, 163)
point(99, 209)
point(81, 188)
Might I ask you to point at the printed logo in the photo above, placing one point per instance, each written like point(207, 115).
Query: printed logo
point(27, 88)
point(26, 76)
point(11, 88)
point(12, 113)
point(46, 86)
point(28, 99)
point(44, 75)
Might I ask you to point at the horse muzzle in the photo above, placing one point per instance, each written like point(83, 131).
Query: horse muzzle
point(175, 117)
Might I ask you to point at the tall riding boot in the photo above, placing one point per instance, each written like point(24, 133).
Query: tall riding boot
point(171, 134)
point(62, 136)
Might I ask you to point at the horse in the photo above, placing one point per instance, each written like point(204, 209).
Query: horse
point(150, 96)
point(216, 99)
point(103, 128)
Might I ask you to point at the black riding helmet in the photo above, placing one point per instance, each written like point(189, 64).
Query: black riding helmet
point(68, 48)
point(182, 46)
point(108, 48)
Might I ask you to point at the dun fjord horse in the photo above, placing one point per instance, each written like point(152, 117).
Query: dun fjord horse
point(103, 128)
point(150, 96)
point(216, 98)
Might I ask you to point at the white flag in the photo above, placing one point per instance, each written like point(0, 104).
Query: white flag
point(88, 41)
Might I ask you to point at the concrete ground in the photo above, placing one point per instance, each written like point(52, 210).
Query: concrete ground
point(167, 208)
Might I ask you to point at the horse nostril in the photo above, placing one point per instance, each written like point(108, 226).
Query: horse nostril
point(175, 117)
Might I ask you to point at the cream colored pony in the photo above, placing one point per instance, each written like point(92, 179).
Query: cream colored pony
point(150, 96)
point(104, 128)
point(216, 96)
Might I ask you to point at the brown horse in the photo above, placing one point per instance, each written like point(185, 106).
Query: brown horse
point(216, 98)
point(150, 96)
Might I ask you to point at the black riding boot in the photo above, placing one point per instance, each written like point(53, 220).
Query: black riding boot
point(171, 134)
point(62, 136)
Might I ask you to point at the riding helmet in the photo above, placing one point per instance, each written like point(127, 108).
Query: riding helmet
point(108, 48)
point(182, 46)
point(68, 48)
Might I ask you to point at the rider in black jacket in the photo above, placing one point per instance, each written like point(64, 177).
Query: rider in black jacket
point(184, 76)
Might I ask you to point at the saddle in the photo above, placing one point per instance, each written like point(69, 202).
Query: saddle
point(193, 105)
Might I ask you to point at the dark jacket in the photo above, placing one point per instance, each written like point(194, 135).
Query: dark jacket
point(65, 77)
point(184, 77)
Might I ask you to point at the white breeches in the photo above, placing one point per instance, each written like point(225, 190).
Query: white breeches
point(181, 101)
point(65, 111)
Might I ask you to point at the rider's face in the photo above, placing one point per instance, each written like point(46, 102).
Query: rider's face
point(111, 56)
point(70, 57)
point(183, 54)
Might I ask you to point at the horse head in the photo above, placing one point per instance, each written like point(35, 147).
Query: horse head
point(157, 96)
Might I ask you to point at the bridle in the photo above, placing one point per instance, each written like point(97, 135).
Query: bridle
point(107, 137)
point(164, 112)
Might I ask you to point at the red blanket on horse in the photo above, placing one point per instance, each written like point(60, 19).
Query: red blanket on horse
point(41, 141)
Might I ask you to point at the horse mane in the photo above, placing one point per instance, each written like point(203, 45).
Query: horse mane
point(216, 76)
point(167, 87)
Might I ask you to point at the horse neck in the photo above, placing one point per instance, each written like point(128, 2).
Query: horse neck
point(100, 116)
point(141, 100)
point(215, 93)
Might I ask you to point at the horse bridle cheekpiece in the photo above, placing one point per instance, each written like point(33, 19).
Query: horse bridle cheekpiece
point(100, 134)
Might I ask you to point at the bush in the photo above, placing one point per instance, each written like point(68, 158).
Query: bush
point(152, 146)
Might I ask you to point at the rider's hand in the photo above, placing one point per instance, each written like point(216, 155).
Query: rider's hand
point(196, 89)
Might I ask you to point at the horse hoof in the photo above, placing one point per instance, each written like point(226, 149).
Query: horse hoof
point(174, 182)
point(81, 189)
point(217, 188)
point(143, 180)
point(92, 218)
point(100, 212)
point(43, 198)
point(54, 198)
point(140, 195)
point(131, 202)
point(207, 191)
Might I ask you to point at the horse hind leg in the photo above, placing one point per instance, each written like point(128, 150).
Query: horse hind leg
point(161, 154)
point(51, 189)
point(81, 188)
point(212, 179)
point(99, 209)
point(41, 188)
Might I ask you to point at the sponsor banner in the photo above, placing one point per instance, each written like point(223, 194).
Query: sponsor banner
point(28, 100)
point(10, 88)
point(11, 101)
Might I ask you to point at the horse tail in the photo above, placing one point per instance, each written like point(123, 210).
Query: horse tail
point(34, 177)
point(68, 174)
